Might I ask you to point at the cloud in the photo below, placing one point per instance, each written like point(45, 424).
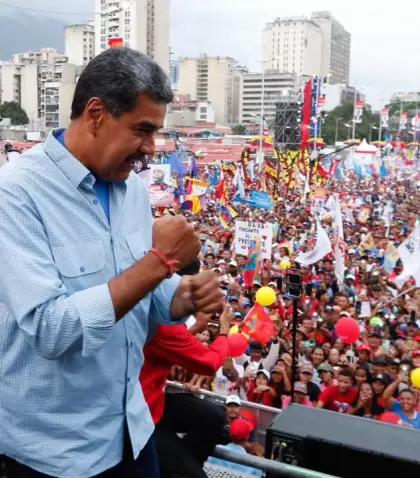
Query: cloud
point(383, 35)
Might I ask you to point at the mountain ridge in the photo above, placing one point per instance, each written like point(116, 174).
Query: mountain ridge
point(23, 32)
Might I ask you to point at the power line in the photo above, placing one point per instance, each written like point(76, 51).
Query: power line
point(28, 9)
point(16, 7)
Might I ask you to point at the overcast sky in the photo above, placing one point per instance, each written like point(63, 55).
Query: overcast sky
point(385, 54)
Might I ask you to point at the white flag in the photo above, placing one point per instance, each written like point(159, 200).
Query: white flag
point(409, 252)
point(321, 249)
point(339, 239)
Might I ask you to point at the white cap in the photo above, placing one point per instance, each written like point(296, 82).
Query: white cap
point(233, 399)
point(265, 373)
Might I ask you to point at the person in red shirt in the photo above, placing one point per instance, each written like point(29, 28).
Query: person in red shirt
point(174, 345)
point(260, 390)
point(338, 398)
point(174, 413)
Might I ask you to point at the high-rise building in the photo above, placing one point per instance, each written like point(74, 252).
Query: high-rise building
point(10, 82)
point(174, 74)
point(44, 89)
point(141, 24)
point(45, 55)
point(277, 87)
point(336, 45)
point(79, 41)
point(240, 70)
point(57, 83)
point(209, 79)
point(293, 45)
point(316, 46)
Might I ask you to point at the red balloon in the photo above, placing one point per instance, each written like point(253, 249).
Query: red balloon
point(390, 417)
point(238, 345)
point(348, 330)
point(250, 417)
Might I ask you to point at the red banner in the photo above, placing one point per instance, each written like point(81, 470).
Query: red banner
point(115, 43)
point(306, 116)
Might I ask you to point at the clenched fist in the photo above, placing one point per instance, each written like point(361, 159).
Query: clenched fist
point(176, 239)
point(198, 293)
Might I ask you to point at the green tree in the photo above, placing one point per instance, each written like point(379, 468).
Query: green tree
point(336, 120)
point(396, 108)
point(12, 110)
point(239, 129)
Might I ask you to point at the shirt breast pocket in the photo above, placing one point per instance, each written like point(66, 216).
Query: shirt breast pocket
point(78, 263)
point(135, 243)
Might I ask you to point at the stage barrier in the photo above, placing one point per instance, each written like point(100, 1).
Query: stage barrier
point(276, 469)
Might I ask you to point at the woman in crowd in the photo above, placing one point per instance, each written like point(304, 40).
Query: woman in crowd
point(259, 390)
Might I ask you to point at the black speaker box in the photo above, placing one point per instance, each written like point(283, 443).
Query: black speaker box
point(342, 445)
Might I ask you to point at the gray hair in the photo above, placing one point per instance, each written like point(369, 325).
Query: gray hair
point(118, 76)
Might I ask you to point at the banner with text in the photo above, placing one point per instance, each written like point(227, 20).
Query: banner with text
point(246, 231)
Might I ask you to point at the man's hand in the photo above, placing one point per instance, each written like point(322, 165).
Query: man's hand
point(176, 239)
point(199, 293)
point(226, 320)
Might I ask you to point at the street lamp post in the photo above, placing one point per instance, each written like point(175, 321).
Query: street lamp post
point(348, 126)
point(260, 153)
point(354, 114)
point(336, 128)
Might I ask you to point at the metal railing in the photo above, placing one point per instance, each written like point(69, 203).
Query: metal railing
point(263, 414)
point(275, 468)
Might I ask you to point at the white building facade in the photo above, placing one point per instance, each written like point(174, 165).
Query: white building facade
point(336, 48)
point(405, 97)
point(45, 55)
point(143, 25)
point(277, 87)
point(57, 85)
point(210, 79)
point(79, 41)
point(293, 45)
point(43, 85)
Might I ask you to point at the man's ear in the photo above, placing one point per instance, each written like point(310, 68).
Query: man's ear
point(95, 115)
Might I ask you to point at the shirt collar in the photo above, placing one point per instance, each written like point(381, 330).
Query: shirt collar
point(71, 167)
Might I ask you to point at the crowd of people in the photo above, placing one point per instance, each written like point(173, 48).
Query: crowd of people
point(364, 379)
point(101, 303)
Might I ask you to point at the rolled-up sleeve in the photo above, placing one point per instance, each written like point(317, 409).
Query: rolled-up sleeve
point(54, 322)
point(162, 298)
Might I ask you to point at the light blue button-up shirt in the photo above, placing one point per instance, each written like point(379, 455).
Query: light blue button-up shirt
point(69, 372)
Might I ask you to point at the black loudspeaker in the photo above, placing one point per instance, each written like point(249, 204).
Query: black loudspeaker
point(342, 445)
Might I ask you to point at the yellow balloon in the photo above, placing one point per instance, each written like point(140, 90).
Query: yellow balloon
point(266, 296)
point(285, 265)
point(415, 377)
point(234, 330)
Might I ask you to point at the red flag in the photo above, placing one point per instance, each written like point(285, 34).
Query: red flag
point(306, 116)
point(258, 325)
point(222, 192)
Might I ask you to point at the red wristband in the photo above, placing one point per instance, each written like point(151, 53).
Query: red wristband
point(171, 265)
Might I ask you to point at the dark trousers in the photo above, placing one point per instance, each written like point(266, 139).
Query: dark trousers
point(202, 421)
point(146, 465)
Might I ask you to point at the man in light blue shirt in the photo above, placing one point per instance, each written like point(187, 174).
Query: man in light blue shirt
point(83, 269)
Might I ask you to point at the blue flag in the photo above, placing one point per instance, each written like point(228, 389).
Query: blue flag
point(176, 165)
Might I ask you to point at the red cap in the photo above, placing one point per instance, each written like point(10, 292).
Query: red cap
point(240, 429)
point(364, 348)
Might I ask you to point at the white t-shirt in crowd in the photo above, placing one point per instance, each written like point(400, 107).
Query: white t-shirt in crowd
point(224, 385)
